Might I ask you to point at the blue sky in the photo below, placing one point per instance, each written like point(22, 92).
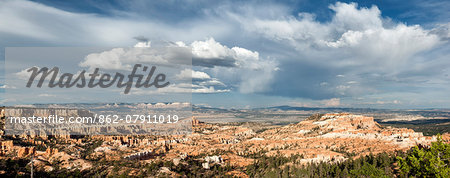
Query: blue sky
point(379, 54)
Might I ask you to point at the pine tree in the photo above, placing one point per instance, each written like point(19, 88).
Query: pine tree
point(427, 162)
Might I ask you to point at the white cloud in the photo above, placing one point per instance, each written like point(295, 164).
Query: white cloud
point(210, 49)
point(19, 19)
point(255, 74)
point(24, 74)
point(322, 84)
point(354, 44)
point(201, 81)
point(210, 89)
point(349, 17)
point(333, 102)
point(143, 44)
point(210, 53)
point(7, 87)
point(191, 74)
point(357, 43)
point(200, 75)
point(125, 58)
point(349, 38)
point(107, 60)
point(212, 82)
point(354, 37)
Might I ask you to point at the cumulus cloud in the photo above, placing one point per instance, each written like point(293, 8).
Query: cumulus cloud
point(25, 75)
point(106, 60)
point(357, 44)
point(191, 74)
point(202, 82)
point(210, 53)
point(358, 52)
point(255, 73)
point(125, 58)
point(359, 33)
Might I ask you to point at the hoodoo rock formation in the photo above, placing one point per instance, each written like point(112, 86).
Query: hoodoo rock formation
point(325, 138)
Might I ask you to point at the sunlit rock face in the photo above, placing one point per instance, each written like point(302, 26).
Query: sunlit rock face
point(325, 138)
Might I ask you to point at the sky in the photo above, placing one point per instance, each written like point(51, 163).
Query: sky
point(247, 54)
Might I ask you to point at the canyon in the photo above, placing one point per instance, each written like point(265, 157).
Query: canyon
point(330, 138)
